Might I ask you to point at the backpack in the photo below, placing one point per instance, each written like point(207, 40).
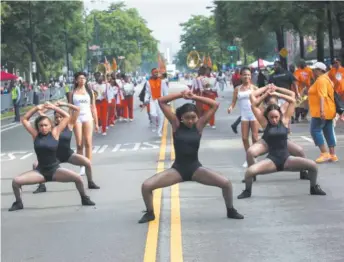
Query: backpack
point(143, 93)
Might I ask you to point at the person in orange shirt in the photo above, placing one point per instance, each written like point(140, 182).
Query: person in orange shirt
point(304, 77)
point(155, 89)
point(322, 110)
point(336, 74)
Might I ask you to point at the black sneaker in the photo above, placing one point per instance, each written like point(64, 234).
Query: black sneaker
point(40, 189)
point(148, 216)
point(244, 194)
point(233, 213)
point(17, 205)
point(92, 185)
point(304, 175)
point(316, 190)
point(86, 201)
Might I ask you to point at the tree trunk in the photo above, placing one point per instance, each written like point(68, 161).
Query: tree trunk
point(340, 22)
point(302, 45)
point(280, 44)
point(320, 36)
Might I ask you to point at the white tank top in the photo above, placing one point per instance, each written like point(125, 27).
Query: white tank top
point(244, 101)
point(83, 102)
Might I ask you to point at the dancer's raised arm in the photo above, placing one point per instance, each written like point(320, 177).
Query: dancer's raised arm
point(26, 120)
point(167, 110)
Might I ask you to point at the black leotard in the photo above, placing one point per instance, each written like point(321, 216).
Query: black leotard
point(46, 148)
point(186, 145)
point(64, 151)
point(276, 137)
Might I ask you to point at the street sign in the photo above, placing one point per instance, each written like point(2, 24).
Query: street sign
point(97, 53)
point(34, 68)
point(231, 48)
point(283, 52)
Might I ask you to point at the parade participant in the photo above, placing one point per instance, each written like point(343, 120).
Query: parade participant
point(276, 137)
point(155, 89)
point(142, 100)
point(46, 139)
point(260, 147)
point(187, 132)
point(83, 97)
point(336, 74)
point(120, 96)
point(128, 90)
point(197, 88)
point(101, 103)
point(64, 153)
point(209, 91)
point(248, 121)
point(236, 81)
point(112, 93)
point(304, 77)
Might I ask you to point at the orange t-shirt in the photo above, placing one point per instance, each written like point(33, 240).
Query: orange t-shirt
point(303, 77)
point(155, 85)
point(337, 77)
point(323, 87)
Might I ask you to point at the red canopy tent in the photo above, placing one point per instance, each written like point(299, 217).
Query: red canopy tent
point(7, 76)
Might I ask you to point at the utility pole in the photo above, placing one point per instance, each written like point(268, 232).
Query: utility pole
point(33, 62)
point(330, 34)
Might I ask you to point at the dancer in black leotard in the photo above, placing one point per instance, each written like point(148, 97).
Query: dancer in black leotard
point(276, 138)
point(46, 139)
point(187, 132)
point(64, 153)
point(260, 147)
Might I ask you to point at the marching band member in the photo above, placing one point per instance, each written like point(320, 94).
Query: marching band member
point(101, 102)
point(120, 96)
point(129, 90)
point(197, 88)
point(155, 89)
point(209, 91)
point(112, 92)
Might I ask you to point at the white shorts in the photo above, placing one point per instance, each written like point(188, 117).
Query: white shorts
point(84, 118)
point(155, 109)
point(248, 117)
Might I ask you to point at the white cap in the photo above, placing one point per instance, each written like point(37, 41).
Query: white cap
point(319, 65)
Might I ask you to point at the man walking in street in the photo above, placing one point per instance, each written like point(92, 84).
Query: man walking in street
point(15, 95)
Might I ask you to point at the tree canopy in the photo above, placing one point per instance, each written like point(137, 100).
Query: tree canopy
point(64, 27)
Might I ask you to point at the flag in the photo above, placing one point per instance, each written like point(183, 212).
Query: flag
point(107, 65)
point(114, 64)
point(209, 62)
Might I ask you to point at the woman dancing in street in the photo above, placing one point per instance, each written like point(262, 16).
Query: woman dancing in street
point(260, 147)
point(187, 132)
point(276, 137)
point(248, 120)
point(64, 153)
point(83, 97)
point(46, 139)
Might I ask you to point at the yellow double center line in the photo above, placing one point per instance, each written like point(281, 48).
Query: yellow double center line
point(176, 250)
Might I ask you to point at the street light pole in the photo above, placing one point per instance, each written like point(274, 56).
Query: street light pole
point(66, 46)
point(31, 44)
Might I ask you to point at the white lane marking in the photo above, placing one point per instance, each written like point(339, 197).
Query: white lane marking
point(26, 156)
point(102, 149)
point(149, 145)
point(116, 148)
point(11, 156)
point(307, 139)
point(130, 149)
point(95, 149)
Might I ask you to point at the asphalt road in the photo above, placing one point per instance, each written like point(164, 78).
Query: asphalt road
point(282, 221)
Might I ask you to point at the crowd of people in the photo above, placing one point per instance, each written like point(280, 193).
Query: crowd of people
point(110, 99)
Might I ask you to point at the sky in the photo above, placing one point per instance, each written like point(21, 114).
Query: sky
point(163, 16)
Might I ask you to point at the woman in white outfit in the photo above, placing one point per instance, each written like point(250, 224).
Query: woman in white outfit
point(83, 97)
point(248, 121)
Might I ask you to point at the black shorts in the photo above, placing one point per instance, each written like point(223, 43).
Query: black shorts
point(48, 172)
point(186, 170)
point(64, 157)
point(279, 160)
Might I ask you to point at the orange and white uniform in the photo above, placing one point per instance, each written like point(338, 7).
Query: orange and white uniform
point(337, 77)
point(128, 102)
point(102, 104)
point(119, 99)
point(210, 91)
point(155, 89)
point(112, 92)
point(196, 89)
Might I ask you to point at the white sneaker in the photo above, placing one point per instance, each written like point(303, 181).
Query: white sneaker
point(245, 164)
point(131, 120)
point(213, 127)
point(159, 134)
point(104, 134)
point(82, 171)
point(153, 130)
